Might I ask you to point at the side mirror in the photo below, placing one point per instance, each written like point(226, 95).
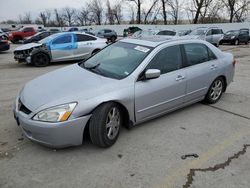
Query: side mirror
point(152, 74)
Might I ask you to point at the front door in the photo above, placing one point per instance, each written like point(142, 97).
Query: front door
point(62, 47)
point(156, 96)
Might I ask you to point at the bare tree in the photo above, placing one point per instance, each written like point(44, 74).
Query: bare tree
point(236, 8)
point(82, 16)
point(68, 15)
point(110, 14)
point(26, 19)
point(138, 4)
point(164, 11)
point(174, 6)
point(149, 11)
point(198, 5)
point(95, 7)
point(58, 18)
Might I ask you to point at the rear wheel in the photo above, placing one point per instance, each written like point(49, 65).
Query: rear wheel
point(237, 42)
point(40, 60)
point(113, 38)
point(104, 125)
point(215, 91)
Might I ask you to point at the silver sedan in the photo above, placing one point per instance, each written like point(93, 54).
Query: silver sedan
point(126, 83)
point(59, 47)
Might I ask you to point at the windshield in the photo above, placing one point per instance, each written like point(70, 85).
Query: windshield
point(49, 38)
point(232, 32)
point(144, 33)
point(198, 32)
point(117, 60)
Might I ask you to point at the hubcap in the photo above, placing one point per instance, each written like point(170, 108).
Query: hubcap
point(216, 90)
point(113, 123)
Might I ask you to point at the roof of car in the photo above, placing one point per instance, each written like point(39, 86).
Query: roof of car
point(152, 41)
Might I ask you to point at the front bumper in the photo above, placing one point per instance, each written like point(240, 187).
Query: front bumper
point(55, 135)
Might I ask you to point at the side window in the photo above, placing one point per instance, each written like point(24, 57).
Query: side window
point(211, 55)
point(28, 29)
point(63, 39)
point(171, 33)
point(209, 32)
point(167, 60)
point(107, 31)
point(161, 33)
point(216, 31)
point(198, 53)
point(82, 38)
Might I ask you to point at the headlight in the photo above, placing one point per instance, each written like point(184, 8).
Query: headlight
point(56, 114)
point(232, 37)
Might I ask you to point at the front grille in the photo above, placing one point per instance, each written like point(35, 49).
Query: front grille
point(23, 108)
point(23, 52)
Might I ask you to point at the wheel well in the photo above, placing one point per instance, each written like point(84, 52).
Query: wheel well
point(124, 112)
point(18, 37)
point(225, 81)
point(95, 50)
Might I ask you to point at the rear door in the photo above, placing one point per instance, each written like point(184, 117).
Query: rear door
point(244, 36)
point(85, 45)
point(217, 35)
point(201, 68)
point(156, 96)
point(62, 47)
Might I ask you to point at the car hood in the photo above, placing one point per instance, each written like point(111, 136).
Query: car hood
point(70, 84)
point(28, 46)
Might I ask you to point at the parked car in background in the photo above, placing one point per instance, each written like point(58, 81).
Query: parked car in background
point(147, 33)
point(130, 31)
point(37, 37)
point(213, 35)
point(58, 47)
point(126, 83)
point(108, 34)
point(5, 30)
point(3, 35)
point(54, 30)
point(16, 36)
point(4, 44)
point(236, 37)
point(183, 33)
point(73, 29)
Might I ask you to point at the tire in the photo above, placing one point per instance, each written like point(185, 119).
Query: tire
point(104, 125)
point(112, 39)
point(215, 91)
point(16, 40)
point(40, 60)
point(236, 42)
point(246, 43)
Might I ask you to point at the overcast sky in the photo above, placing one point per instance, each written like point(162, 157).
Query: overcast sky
point(11, 9)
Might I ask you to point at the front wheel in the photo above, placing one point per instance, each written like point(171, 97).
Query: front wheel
point(104, 125)
point(113, 38)
point(215, 91)
point(40, 60)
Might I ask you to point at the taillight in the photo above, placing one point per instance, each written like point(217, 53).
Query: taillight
point(234, 62)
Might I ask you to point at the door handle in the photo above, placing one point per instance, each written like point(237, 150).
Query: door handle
point(213, 67)
point(180, 77)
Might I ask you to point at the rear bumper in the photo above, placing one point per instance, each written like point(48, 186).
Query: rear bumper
point(55, 135)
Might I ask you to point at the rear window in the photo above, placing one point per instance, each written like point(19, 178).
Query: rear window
point(198, 53)
point(82, 38)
